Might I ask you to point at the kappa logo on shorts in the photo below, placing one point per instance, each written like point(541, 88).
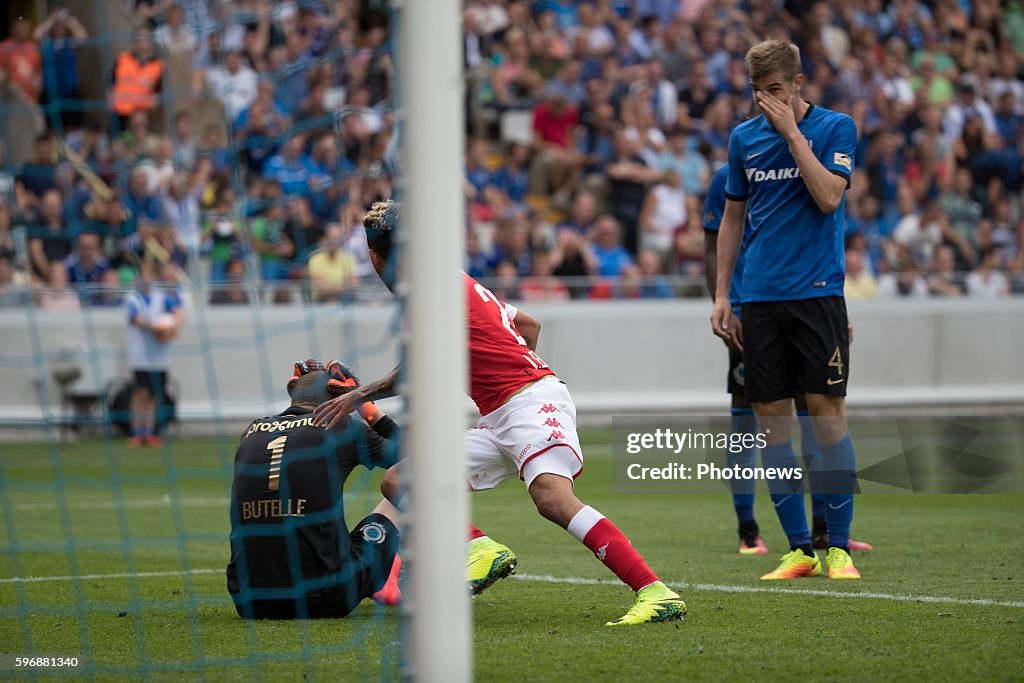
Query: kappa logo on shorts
point(548, 408)
point(373, 532)
point(552, 422)
point(556, 435)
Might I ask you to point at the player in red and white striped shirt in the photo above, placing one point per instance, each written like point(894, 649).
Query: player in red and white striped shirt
point(527, 427)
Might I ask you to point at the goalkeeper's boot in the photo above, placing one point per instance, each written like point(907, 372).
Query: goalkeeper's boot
point(390, 594)
point(795, 565)
point(840, 565)
point(487, 561)
point(654, 603)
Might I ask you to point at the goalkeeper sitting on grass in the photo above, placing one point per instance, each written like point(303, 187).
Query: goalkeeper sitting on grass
point(292, 555)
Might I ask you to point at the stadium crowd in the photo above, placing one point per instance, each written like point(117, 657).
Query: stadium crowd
point(592, 130)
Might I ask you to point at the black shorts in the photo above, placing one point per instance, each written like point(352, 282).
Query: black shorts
point(736, 381)
point(154, 381)
point(366, 570)
point(795, 347)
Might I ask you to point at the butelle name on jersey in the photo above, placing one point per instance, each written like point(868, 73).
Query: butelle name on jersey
point(279, 425)
point(265, 508)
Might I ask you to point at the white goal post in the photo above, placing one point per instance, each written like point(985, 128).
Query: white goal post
point(430, 86)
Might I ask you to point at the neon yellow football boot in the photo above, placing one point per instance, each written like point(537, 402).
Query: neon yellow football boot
point(654, 603)
point(487, 561)
point(795, 565)
point(840, 565)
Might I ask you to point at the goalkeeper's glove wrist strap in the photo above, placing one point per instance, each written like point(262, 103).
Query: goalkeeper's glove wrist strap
point(370, 412)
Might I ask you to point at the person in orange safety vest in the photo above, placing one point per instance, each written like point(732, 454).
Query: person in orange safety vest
point(137, 79)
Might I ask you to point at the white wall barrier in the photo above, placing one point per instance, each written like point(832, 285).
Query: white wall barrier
point(232, 363)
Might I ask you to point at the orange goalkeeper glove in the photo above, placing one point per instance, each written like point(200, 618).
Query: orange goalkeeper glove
point(342, 380)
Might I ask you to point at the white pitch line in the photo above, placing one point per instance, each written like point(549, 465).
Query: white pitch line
point(101, 577)
point(132, 504)
point(579, 581)
point(143, 503)
point(711, 587)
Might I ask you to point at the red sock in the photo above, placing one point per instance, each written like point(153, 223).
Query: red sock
point(390, 594)
point(474, 533)
point(612, 547)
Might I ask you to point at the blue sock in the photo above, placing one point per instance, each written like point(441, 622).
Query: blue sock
point(811, 451)
point(743, 422)
point(840, 465)
point(787, 494)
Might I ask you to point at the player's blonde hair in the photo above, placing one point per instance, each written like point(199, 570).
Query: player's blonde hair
point(380, 222)
point(772, 57)
point(382, 216)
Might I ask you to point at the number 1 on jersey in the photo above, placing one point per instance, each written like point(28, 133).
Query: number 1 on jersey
point(276, 448)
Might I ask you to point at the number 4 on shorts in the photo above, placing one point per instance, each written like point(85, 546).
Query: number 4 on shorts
point(836, 362)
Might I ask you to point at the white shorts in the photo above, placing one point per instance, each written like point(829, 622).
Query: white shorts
point(533, 433)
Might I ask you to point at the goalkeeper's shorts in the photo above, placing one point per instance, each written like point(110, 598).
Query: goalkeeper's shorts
point(363, 573)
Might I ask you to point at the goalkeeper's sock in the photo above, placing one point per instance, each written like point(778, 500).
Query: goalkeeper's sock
point(611, 547)
point(787, 494)
point(475, 533)
point(743, 422)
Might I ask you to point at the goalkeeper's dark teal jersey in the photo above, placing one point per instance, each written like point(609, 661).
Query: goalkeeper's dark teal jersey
point(287, 512)
point(794, 250)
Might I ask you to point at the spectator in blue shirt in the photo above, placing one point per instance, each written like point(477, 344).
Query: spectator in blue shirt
point(565, 12)
point(682, 157)
point(58, 39)
point(258, 126)
point(144, 211)
point(332, 176)
point(90, 273)
point(1008, 122)
point(478, 176)
point(37, 176)
point(291, 168)
point(512, 180)
point(654, 285)
point(612, 257)
point(581, 214)
point(294, 75)
point(512, 244)
point(477, 261)
point(597, 143)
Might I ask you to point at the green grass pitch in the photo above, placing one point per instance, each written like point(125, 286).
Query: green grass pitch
point(148, 531)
